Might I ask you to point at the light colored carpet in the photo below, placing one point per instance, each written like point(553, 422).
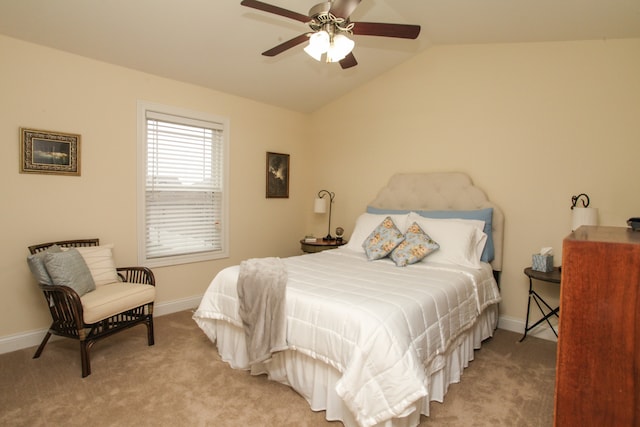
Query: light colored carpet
point(182, 381)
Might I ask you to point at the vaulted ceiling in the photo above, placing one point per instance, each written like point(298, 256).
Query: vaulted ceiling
point(218, 43)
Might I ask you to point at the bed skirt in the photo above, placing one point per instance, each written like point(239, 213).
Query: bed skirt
point(315, 380)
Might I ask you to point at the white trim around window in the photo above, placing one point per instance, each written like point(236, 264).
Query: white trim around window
point(182, 185)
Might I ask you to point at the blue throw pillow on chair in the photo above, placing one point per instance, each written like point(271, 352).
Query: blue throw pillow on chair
point(69, 269)
point(36, 264)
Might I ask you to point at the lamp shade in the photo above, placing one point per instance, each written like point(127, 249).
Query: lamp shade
point(583, 216)
point(320, 205)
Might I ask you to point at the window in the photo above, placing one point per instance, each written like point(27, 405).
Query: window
point(182, 186)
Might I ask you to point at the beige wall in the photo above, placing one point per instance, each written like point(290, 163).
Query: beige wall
point(48, 89)
point(532, 124)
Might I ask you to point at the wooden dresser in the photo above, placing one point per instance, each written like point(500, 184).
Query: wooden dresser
point(598, 365)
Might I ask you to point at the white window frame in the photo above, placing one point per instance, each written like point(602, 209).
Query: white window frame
point(186, 117)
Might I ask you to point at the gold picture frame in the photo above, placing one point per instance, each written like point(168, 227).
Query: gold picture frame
point(277, 175)
point(49, 152)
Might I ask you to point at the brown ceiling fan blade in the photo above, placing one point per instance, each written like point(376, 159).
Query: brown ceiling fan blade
point(275, 10)
point(402, 31)
point(287, 45)
point(343, 8)
point(348, 61)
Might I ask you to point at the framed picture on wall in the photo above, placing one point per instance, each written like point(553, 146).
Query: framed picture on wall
point(277, 175)
point(48, 152)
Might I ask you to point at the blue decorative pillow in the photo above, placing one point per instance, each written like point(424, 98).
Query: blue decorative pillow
point(36, 264)
point(486, 215)
point(382, 240)
point(416, 245)
point(70, 269)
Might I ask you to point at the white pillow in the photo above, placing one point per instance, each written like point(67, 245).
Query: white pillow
point(366, 223)
point(461, 241)
point(99, 259)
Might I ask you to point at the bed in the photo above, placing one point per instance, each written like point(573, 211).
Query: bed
point(371, 341)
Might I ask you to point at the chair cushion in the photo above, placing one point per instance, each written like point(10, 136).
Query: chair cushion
point(113, 298)
point(69, 269)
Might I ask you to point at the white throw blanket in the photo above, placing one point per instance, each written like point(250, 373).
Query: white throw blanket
point(261, 291)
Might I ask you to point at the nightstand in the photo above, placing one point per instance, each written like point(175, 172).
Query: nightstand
point(320, 245)
point(552, 276)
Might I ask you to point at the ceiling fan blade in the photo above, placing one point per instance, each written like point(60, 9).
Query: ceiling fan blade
point(348, 61)
point(275, 10)
point(343, 8)
point(287, 45)
point(402, 31)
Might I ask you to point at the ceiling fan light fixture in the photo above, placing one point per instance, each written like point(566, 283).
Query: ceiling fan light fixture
point(314, 53)
point(341, 47)
point(319, 43)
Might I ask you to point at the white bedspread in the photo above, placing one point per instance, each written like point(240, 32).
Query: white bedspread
point(382, 327)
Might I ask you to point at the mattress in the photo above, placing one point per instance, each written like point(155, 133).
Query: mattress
point(379, 336)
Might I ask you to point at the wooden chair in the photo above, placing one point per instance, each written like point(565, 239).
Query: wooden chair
point(68, 312)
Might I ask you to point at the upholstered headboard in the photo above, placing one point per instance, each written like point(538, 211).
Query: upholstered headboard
point(441, 191)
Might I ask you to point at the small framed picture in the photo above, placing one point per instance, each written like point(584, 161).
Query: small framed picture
point(48, 152)
point(277, 175)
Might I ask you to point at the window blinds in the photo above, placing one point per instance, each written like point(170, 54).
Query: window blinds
point(184, 188)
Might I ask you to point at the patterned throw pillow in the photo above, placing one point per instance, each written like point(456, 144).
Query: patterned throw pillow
point(416, 245)
point(382, 240)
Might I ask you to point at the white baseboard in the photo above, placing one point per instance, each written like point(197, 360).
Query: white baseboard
point(517, 325)
point(15, 342)
point(177, 305)
point(33, 338)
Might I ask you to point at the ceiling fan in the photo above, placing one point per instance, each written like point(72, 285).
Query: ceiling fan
point(330, 23)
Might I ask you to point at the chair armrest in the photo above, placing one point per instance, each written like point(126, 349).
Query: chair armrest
point(137, 275)
point(65, 305)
